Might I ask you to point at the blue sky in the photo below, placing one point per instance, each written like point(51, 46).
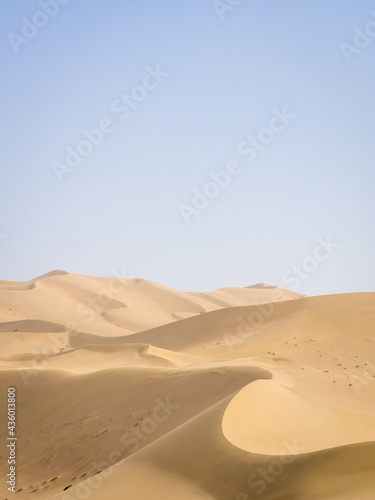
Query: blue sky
point(218, 74)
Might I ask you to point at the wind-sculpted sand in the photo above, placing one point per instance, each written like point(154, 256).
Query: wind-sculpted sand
point(127, 389)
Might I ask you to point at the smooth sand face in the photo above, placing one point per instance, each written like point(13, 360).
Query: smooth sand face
point(127, 389)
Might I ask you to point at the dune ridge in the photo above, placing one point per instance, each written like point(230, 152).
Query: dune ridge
point(127, 389)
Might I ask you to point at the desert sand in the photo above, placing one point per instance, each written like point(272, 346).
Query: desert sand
point(127, 389)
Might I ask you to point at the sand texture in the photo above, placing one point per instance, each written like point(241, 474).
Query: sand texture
point(127, 389)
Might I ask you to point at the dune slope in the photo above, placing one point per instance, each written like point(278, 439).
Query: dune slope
point(127, 389)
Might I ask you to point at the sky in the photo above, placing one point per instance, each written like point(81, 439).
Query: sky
point(198, 144)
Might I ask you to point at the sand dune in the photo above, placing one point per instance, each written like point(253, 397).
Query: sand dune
point(195, 461)
point(115, 306)
point(127, 389)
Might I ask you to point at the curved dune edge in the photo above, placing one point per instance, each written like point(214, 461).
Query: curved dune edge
point(92, 400)
point(93, 357)
point(264, 413)
point(163, 479)
point(29, 285)
point(101, 382)
point(196, 461)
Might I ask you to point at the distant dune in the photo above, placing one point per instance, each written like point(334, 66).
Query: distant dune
point(127, 389)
